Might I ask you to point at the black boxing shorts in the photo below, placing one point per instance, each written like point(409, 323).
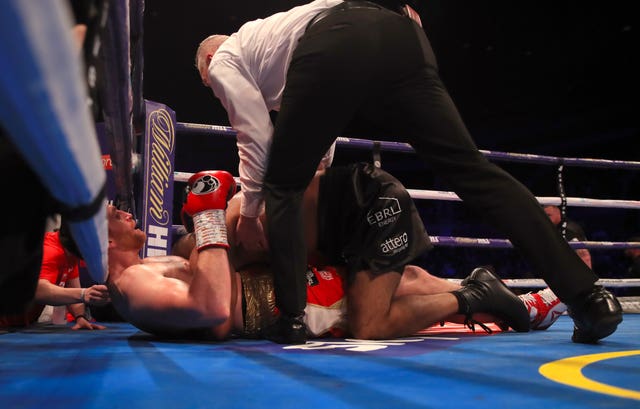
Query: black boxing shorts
point(368, 221)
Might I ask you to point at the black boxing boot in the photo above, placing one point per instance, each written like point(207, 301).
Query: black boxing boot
point(484, 292)
point(287, 330)
point(595, 315)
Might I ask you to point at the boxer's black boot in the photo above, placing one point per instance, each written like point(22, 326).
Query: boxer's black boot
point(595, 315)
point(484, 292)
point(287, 330)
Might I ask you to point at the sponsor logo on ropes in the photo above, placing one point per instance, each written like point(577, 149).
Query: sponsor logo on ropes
point(395, 244)
point(160, 140)
point(388, 214)
point(471, 240)
point(106, 162)
point(160, 164)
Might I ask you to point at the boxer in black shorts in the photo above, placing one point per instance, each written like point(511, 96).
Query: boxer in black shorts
point(361, 217)
point(367, 220)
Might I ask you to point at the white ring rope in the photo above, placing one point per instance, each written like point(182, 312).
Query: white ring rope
point(503, 243)
point(451, 196)
point(544, 200)
point(539, 283)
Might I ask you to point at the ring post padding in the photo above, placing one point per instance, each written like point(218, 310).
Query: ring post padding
point(157, 178)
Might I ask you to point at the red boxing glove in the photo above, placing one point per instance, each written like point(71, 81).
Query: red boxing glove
point(206, 199)
point(209, 189)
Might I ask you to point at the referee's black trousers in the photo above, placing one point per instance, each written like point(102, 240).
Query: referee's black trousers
point(378, 67)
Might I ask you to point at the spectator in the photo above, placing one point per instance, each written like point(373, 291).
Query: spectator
point(59, 284)
point(633, 271)
point(634, 257)
point(572, 230)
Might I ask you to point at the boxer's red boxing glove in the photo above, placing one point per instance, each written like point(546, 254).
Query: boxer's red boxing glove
point(202, 181)
point(205, 202)
point(209, 189)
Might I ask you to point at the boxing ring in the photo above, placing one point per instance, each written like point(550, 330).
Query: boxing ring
point(440, 367)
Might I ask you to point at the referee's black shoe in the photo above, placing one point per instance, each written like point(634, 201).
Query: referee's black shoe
point(287, 330)
point(596, 315)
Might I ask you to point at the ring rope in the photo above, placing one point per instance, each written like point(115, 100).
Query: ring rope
point(449, 241)
point(545, 200)
point(561, 201)
point(186, 128)
point(540, 283)
point(517, 282)
point(452, 241)
point(451, 196)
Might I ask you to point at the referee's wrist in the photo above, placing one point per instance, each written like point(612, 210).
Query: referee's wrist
point(82, 294)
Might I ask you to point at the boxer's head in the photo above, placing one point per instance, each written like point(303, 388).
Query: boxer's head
point(123, 233)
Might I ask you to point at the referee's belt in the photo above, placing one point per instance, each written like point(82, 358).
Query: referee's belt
point(346, 5)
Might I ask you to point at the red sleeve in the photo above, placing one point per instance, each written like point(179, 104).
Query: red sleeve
point(52, 258)
point(75, 273)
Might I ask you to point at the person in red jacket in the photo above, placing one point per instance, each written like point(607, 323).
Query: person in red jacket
point(59, 284)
